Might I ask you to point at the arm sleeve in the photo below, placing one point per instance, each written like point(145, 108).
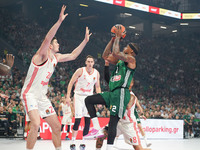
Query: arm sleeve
point(106, 74)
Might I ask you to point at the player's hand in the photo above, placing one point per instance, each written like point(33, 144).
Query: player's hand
point(9, 61)
point(87, 34)
point(143, 117)
point(62, 15)
point(106, 63)
point(118, 32)
point(68, 100)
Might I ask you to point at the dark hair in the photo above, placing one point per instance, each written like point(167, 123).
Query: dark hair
point(89, 56)
point(54, 38)
point(134, 47)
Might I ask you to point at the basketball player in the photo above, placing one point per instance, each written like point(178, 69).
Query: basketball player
point(35, 87)
point(129, 119)
point(67, 110)
point(118, 97)
point(7, 64)
point(85, 78)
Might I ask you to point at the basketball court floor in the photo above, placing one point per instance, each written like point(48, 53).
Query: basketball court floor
point(19, 144)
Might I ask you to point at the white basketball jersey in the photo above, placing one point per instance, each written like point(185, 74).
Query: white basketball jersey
point(66, 109)
point(37, 79)
point(129, 115)
point(85, 83)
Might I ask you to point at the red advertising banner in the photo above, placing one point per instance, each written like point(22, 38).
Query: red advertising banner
point(154, 10)
point(45, 130)
point(119, 2)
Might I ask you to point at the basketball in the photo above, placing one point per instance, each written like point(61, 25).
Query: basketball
point(115, 28)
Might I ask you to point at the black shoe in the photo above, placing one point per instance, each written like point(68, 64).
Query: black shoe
point(72, 147)
point(82, 147)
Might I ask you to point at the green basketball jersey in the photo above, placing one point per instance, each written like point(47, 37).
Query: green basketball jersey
point(121, 76)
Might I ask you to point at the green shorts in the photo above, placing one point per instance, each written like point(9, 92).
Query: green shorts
point(137, 117)
point(117, 101)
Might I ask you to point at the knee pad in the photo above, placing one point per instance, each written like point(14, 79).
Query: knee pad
point(76, 124)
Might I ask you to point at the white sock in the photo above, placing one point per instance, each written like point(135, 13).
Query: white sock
point(98, 148)
point(109, 147)
point(25, 134)
point(115, 142)
point(96, 123)
point(58, 148)
point(145, 139)
point(38, 134)
point(73, 140)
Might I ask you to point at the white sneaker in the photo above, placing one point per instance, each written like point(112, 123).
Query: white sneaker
point(94, 134)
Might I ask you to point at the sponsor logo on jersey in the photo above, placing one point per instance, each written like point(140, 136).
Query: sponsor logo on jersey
point(115, 78)
point(47, 112)
point(131, 140)
point(44, 83)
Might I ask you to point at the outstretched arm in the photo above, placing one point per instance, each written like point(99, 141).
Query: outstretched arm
point(76, 52)
point(41, 54)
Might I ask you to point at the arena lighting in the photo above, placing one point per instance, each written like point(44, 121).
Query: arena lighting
point(83, 5)
point(174, 31)
point(184, 24)
point(127, 14)
point(132, 27)
point(163, 27)
point(152, 9)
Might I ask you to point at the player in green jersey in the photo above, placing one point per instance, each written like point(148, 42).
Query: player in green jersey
point(119, 95)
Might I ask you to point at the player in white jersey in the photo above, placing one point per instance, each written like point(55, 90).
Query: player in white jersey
point(85, 78)
point(67, 110)
point(34, 91)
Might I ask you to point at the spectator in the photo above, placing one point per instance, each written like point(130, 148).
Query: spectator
point(4, 121)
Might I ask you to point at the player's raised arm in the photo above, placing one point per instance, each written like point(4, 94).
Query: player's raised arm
point(107, 54)
point(124, 56)
point(76, 52)
point(45, 44)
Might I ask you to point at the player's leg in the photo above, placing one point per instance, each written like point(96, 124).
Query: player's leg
point(99, 141)
point(67, 134)
point(112, 131)
point(90, 101)
point(148, 144)
point(48, 113)
point(141, 129)
point(26, 129)
point(78, 106)
point(35, 123)
point(55, 126)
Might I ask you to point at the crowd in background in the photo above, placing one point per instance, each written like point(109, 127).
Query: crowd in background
point(166, 80)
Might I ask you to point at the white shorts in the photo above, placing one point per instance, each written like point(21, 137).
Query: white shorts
point(129, 131)
point(43, 105)
point(79, 105)
point(66, 119)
